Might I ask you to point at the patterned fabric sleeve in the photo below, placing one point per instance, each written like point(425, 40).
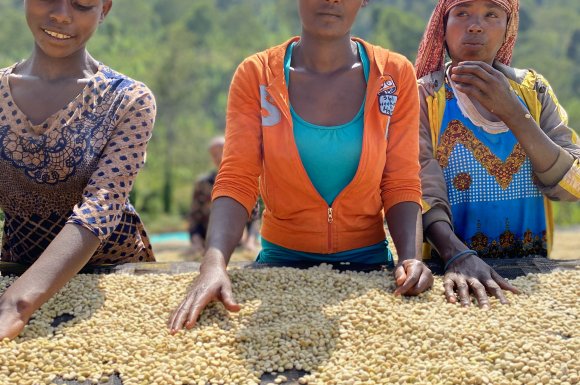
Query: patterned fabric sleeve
point(108, 189)
point(435, 202)
point(562, 180)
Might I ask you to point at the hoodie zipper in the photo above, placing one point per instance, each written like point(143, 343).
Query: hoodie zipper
point(330, 220)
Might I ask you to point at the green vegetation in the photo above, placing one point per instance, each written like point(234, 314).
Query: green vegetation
point(187, 50)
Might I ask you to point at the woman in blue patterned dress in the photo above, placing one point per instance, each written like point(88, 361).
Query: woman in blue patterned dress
point(73, 136)
point(495, 147)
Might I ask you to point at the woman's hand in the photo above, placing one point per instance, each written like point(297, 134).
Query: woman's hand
point(13, 318)
point(226, 224)
point(11, 324)
point(470, 273)
point(412, 277)
point(212, 284)
point(488, 86)
point(64, 257)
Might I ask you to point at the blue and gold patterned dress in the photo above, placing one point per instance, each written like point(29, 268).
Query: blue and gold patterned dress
point(497, 207)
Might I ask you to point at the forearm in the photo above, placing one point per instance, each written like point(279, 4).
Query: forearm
point(444, 240)
point(406, 229)
point(64, 257)
point(541, 150)
point(226, 225)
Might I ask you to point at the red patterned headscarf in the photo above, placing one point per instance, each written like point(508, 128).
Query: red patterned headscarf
point(431, 54)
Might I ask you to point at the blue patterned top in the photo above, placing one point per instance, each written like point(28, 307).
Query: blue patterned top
point(497, 208)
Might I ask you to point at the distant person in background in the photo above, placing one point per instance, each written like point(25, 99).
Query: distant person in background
point(326, 127)
point(495, 147)
point(73, 137)
point(201, 206)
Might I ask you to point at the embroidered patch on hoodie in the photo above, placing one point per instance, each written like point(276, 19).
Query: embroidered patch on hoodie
point(388, 96)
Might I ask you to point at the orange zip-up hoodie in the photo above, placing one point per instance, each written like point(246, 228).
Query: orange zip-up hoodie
point(260, 151)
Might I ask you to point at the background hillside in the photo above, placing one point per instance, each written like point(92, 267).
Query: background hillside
point(187, 50)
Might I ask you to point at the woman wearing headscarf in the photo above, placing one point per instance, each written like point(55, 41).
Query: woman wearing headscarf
point(495, 147)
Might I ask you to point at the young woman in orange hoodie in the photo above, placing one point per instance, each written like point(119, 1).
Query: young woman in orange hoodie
point(325, 126)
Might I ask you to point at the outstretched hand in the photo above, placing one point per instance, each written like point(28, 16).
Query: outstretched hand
point(12, 322)
point(412, 277)
point(210, 285)
point(470, 273)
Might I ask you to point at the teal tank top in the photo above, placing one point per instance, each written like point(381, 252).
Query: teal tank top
point(330, 154)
